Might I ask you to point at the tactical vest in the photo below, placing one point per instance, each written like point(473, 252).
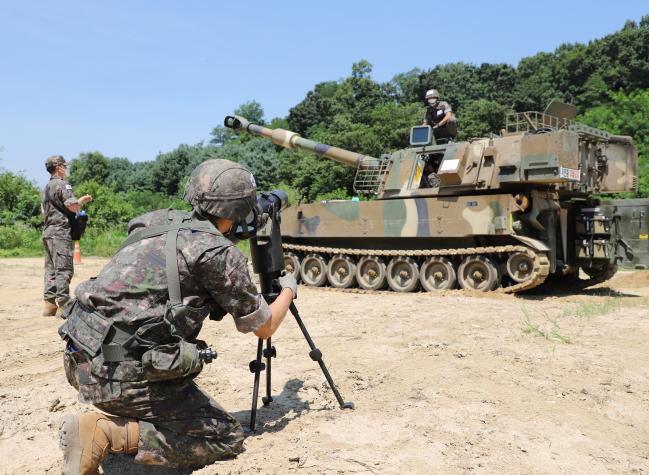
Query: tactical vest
point(159, 345)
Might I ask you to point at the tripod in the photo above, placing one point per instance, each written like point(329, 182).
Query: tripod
point(257, 366)
point(268, 262)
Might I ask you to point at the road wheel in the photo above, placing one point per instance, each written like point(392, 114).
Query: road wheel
point(478, 273)
point(520, 266)
point(341, 272)
point(370, 273)
point(292, 265)
point(314, 270)
point(437, 273)
point(403, 274)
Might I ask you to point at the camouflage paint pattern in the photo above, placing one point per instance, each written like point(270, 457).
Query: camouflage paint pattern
point(419, 217)
point(562, 157)
point(291, 140)
point(514, 184)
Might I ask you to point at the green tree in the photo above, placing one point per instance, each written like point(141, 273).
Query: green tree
point(19, 200)
point(108, 209)
point(480, 118)
point(259, 156)
point(404, 87)
point(89, 166)
point(169, 169)
point(251, 110)
point(120, 172)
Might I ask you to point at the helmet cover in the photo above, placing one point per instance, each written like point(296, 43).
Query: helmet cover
point(222, 189)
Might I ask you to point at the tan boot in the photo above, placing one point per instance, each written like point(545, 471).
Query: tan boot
point(86, 439)
point(49, 308)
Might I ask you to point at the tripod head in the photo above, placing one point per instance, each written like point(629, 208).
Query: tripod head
point(262, 226)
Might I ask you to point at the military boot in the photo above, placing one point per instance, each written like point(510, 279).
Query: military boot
point(49, 308)
point(87, 439)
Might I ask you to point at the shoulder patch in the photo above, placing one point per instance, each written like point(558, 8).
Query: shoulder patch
point(68, 187)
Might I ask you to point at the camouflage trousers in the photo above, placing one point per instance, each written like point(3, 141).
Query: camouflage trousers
point(58, 268)
point(180, 425)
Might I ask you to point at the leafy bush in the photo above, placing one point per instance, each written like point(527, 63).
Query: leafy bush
point(10, 237)
point(20, 241)
point(19, 200)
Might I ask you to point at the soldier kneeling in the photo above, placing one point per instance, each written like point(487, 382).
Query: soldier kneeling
point(131, 333)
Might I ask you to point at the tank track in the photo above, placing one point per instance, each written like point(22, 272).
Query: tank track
point(608, 273)
point(573, 282)
point(540, 259)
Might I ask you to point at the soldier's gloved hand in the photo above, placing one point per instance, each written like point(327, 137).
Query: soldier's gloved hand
point(287, 281)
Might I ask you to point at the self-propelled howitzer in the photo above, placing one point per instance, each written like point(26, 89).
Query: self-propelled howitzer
point(508, 211)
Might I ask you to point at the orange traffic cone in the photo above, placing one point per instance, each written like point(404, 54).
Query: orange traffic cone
point(77, 253)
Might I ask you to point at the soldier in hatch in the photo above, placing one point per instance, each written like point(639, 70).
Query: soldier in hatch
point(440, 117)
point(131, 333)
point(57, 204)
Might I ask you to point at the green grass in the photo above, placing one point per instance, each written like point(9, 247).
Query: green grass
point(102, 243)
point(593, 309)
point(244, 246)
point(20, 241)
point(548, 327)
point(24, 241)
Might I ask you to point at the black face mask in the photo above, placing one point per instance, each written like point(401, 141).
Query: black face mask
point(231, 234)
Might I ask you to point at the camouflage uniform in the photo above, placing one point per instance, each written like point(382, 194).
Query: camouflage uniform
point(59, 270)
point(434, 115)
point(180, 425)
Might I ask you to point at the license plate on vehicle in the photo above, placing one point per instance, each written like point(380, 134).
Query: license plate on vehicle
point(569, 174)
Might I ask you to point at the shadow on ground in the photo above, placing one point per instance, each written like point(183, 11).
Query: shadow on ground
point(543, 292)
point(285, 407)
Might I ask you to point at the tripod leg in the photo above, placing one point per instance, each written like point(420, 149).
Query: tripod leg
point(256, 366)
point(269, 353)
point(316, 355)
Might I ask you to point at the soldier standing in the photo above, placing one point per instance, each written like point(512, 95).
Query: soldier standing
point(440, 116)
point(58, 204)
point(131, 333)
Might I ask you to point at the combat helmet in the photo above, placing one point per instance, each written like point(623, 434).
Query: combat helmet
point(432, 93)
point(53, 162)
point(222, 189)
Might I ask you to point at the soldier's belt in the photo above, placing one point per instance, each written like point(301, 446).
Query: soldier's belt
point(114, 350)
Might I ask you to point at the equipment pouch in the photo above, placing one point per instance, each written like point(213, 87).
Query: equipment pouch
point(78, 224)
point(172, 361)
point(87, 330)
point(186, 321)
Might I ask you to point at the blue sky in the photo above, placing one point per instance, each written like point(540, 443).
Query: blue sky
point(131, 79)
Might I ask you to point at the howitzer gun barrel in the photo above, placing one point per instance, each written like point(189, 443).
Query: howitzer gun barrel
point(292, 140)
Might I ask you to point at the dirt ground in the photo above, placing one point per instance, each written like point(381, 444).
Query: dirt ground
point(442, 383)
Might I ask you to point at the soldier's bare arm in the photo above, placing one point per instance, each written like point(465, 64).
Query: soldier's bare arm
point(278, 311)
